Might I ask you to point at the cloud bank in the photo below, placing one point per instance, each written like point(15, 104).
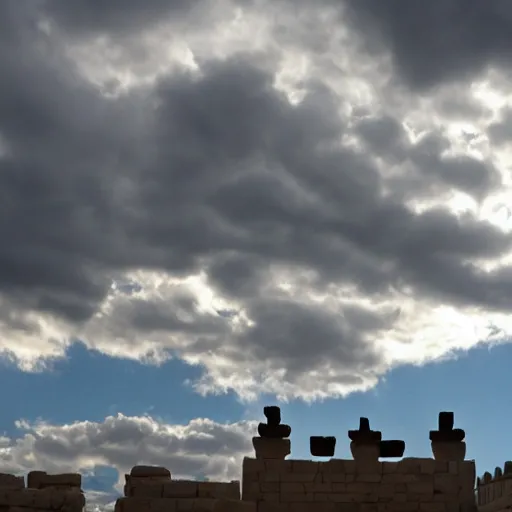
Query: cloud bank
point(297, 198)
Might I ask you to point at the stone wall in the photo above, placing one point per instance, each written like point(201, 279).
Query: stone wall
point(151, 489)
point(412, 484)
point(43, 493)
point(494, 493)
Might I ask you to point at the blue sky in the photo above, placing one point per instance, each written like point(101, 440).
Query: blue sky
point(90, 386)
point(236, 203)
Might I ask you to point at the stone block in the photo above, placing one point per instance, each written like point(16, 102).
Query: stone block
point(402, 507)
point(298, 477)
point(432, 507)
point(270, 486)
point(252, 466)
point(369, 477)
point(292, 488)
point(425, 488)
point(428, 466)
point(304, 466)
point(269, 448)
point(410, 465)
point(279, 465)
point(136, 504)
point(269, 496)
point(334, 477)
point(446, 484)
point(274, 507)
point(141, 471)
point(219, 490)
point(233, 506)
point(292, 497)
point(147, 490)
point(11, 481)
point(180, 489)
point(317, 487)
point(41, 480)
point(365, 466)
point(389, 467)
point(163, 505)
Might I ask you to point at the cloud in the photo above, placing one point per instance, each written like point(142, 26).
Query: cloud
point(263, 211)
point(201, 448)
point(434, 42)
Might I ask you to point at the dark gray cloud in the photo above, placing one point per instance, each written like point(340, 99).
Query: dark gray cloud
point(437, 41)
point(117, 16)
point(500, 131)
point(215, 171)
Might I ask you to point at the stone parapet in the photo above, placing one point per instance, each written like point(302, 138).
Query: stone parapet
point(47, 493)
point(494, 492)
point(411, 484)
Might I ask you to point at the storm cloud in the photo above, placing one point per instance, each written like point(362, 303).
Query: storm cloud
point(254, 205)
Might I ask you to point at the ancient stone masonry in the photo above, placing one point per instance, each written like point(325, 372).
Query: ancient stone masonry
point(447, 443)
point(151, 489)
point(273, 442)
point(43, 493)
point(494, 493)
point(445, 483)
point(364, 484)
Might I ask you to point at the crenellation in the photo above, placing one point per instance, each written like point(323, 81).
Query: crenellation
point(271, 482)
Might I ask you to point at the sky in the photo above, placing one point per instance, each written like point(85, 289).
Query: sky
point(211, 206)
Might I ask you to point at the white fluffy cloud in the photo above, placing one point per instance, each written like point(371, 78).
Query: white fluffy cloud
point(201, 448)
point(258, 190)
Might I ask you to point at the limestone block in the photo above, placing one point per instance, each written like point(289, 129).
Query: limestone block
point(298, 477)
point(402, 507)
point(275, 507)
point(135, 504)
point(292, 488)
point(224, 490)
point(318, 487)
point(11, 481)
point(134, 480)
point(145, 471)
point(278, 465)
point(147, 490)
point(432, 507)
point(304, 466)
point(428, 466)
point(410, 465)
point(268, 448)
point(269, 496)
point(180, 489)
point(43, 499)
point(41, 480)
point(467, 473)
point(368, 477)
point(23, 498)
point(292, 497)
point(446, 484)
point(252, 466)
point(389, 467)
point(233, 506)
point(425, 488)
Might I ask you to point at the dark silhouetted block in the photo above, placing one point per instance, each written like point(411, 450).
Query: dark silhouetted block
point(445, 421)
point(392, 449)
point(273, 414)
point(274, 431)
point(364, 434)
point(322, 446)
point(450, 436)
